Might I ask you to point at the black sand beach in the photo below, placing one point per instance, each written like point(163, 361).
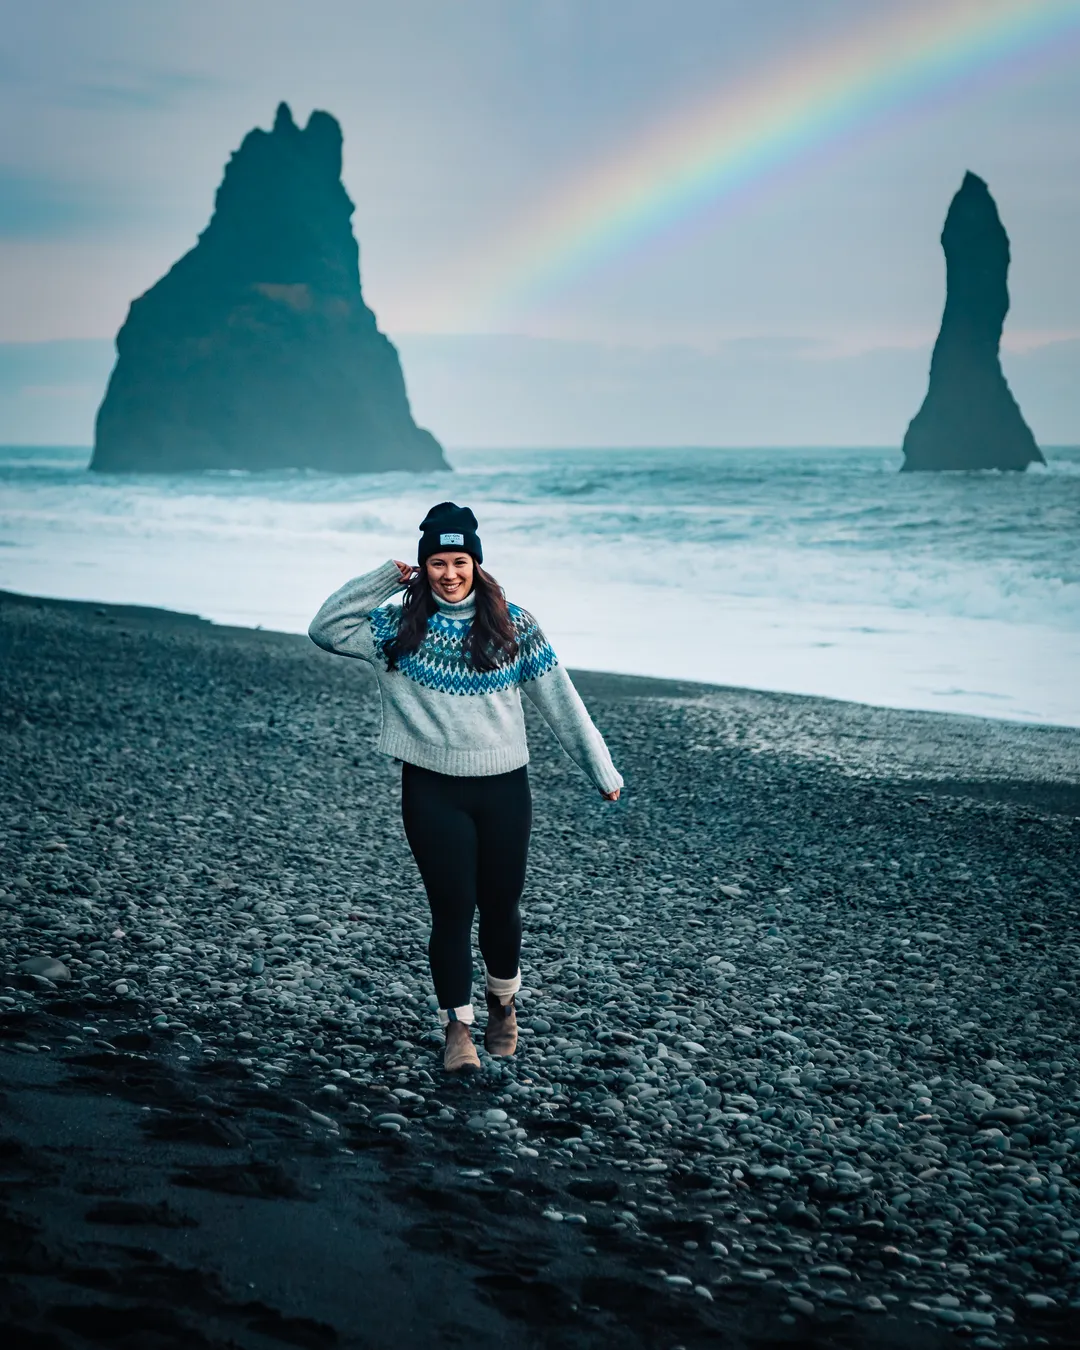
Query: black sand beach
point(800, 1057)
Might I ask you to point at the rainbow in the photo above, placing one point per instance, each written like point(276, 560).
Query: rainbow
point(707, 153)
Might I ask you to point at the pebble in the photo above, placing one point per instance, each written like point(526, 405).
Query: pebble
point(1007, 1115)
point(47, 967)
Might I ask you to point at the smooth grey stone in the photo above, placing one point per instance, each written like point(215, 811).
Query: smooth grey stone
point(1007, 1115)
point(390, 1118)
point(48, 967)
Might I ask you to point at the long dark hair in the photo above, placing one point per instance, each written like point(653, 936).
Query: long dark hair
point(490, 642)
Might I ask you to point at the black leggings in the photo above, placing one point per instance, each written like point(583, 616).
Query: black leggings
point(470, 839)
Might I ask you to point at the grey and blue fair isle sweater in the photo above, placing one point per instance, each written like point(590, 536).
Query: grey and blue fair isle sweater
point(438, 711)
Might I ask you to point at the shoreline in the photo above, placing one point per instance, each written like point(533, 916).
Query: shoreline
point(794, 586)
point(779, 1076)
point(613, 683)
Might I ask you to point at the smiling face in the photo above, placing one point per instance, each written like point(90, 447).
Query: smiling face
point(450, 575)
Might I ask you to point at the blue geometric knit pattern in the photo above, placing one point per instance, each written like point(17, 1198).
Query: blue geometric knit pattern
point(440, 663)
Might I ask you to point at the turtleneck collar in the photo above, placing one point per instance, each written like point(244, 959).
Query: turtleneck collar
point(456, 609)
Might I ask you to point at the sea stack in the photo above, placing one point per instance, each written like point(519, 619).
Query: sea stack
point(969, 418)
point(256, 350)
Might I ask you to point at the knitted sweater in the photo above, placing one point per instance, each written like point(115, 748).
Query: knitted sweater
point(439, 712)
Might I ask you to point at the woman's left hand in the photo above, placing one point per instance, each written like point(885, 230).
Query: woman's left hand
point(407, 570)
point(611, 796)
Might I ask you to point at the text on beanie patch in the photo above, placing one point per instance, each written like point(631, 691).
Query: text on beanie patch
point(451, 538)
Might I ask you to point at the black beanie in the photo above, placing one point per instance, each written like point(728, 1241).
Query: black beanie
point(448, 526)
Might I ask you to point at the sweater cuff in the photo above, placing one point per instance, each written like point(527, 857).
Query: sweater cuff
point(608, 779)
point(385, 580)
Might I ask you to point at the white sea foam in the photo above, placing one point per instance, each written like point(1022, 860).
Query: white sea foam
point(812, 571)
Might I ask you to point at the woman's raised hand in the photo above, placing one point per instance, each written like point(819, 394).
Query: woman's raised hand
point(612, 796)
point(407, 571)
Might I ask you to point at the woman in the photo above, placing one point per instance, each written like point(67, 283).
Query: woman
point(451, 662)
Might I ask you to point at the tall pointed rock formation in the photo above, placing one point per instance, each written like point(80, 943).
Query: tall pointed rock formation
point(256, 350)
point(969, 419)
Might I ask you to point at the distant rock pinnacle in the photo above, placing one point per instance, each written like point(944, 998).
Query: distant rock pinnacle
point(256, 350)
point(969, 419)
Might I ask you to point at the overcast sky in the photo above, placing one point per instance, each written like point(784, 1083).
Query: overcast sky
point(466, 119)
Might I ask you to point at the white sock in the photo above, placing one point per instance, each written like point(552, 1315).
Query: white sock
point(504, 990)
point(463, 1014)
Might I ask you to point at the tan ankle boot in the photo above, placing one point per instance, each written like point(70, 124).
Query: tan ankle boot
point(500, 1037)
point(459, 1052)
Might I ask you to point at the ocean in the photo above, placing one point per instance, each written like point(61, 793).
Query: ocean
point(810, 571)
